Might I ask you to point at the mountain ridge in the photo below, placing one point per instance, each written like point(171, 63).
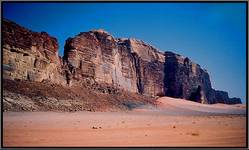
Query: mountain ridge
point(97, 59)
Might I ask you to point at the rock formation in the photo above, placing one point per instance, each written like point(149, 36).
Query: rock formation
point(186, 79)
point(29, 55)
point(100, 61)
point(149, 65)
point(96, 57)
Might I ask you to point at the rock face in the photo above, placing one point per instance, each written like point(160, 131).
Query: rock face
point(29, 55)
point(149, 64)
point(99, 60)
point(95, 57)
point(128, 64)
point(186, 79)
point(222, 97)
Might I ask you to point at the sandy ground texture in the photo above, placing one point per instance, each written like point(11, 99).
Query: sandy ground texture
point(172, 123)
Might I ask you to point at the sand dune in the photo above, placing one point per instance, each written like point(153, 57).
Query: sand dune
point(171, 123)
point(180, 107)
point(165, 103)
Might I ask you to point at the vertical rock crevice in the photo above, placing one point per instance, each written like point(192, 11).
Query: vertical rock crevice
point(138, 73)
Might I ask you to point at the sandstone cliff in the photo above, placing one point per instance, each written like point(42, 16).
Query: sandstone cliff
point(29, 55)
point(99, 61)
point(96, 58)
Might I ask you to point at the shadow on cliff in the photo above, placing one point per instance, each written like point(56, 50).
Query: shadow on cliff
point(177, 81)
point(170, 67)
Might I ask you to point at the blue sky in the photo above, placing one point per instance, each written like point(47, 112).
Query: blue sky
point(211, 34)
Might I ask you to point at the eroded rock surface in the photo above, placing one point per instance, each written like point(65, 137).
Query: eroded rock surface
point(186, 79)
point(29, 55)
point(95, 57)
point(98, 61)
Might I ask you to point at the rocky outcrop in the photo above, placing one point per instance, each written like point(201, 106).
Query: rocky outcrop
point(148, 62)
point(29, 55)
point(95, 57)
point(222, 97)
point(128, 64)
point(185, 79)
point(98, 60)
point(135, 66)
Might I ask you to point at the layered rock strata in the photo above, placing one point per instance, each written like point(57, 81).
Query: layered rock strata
point(98, 60)
point(30, 55)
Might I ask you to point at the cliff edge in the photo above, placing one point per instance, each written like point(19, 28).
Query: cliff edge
point(98, 61)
